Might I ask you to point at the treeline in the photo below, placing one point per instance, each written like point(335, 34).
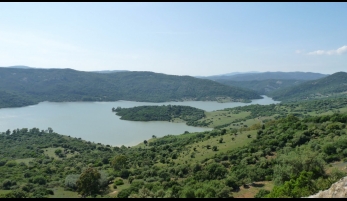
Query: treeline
point(160, 113)
point(30, 86)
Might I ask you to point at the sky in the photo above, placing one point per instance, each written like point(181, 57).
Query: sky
point(196, 39)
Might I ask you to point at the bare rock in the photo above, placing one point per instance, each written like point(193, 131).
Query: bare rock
point(337, 190)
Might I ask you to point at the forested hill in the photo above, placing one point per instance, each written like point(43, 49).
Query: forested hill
point(271, 75)
point(29, 86)
point(262, 86)
point(335, 84)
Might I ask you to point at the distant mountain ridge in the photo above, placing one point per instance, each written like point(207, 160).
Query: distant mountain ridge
point(36, 85)
point(266, 82)
point(99, 71)
point(335, 84)
point(270, 75)
point(108, 71)
point(226, 74)
point(19, 66)
point(263, 87)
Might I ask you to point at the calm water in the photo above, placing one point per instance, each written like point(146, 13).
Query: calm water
point(94, 121)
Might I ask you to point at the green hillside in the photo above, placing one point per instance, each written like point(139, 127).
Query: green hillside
point(332, 85)
point(290, 156)
point(36, 85)
point(263, 87)
point(270, 75)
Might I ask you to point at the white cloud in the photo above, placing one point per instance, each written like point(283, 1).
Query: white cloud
point(338, 51)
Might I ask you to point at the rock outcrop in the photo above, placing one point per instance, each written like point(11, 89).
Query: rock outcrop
point(337, 190)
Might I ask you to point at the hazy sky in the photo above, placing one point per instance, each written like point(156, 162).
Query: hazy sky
point(176, 38)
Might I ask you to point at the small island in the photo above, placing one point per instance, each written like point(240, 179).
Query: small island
point(171, 113)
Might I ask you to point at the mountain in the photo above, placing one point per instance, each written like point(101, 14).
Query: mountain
point(271, 75)
point(225, 75)
point(36, 85)
point(20, 67)
point(335, 84)
point(109, 71)
point(262, 86)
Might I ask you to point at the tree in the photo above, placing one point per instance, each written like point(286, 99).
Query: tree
point(119, 162)
point(88, 182)
point(145, 142)
point(221, 140)
point(70, 181)
point(249, 136)
point(214, 148)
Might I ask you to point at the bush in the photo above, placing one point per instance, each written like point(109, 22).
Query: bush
point(124, 173)
point(261, 193)
point(3, 162)
point(39, 180)
point(119, 182)
point(11, 163)
point(6, 184)
point(70, 181)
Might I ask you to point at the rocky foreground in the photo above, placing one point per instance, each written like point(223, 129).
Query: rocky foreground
point(337, 190)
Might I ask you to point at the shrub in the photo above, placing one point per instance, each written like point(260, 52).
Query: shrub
point(70, 181)
point(119, 182)
point(11, 163)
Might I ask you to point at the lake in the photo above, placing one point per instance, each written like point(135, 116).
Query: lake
point(95, 122)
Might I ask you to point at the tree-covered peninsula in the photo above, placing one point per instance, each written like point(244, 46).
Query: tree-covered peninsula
point(160, 113)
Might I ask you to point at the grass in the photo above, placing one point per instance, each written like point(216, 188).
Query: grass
point(251, 191)
point(114, 191)
point(4, 191)
point(218, 118)
point(25, 160)
point(59, 192)
point(202, 152)
point(50, 152)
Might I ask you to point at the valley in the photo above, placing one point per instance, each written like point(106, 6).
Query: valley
point(246, 150)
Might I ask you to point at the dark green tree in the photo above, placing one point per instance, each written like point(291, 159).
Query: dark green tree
point(88, 183)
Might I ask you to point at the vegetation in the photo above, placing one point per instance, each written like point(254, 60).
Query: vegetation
point(291, 149)
point(264, 87)
point(160, 113)
point(21, 87)
point(288, 155)
point(270, 76)
point(332, 85)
